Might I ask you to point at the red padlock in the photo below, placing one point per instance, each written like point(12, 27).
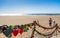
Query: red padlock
point(21, 31)
point(15, 32)
point(32, 36)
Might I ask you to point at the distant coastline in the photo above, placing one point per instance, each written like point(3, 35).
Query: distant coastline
point(44, 14)
point(37, 14)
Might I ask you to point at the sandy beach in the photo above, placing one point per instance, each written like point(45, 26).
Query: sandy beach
point(19, 20)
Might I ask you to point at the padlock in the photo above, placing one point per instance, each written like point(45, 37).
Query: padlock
point(7, 32)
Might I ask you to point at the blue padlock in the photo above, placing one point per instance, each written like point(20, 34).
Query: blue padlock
point(7, 32)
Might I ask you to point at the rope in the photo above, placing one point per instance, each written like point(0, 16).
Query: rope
point(45, 27)
point(44, 34)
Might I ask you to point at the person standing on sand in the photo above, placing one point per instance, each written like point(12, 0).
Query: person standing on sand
point(54, 23)
point(50, 22)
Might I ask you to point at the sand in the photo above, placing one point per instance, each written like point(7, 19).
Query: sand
point(43, 20)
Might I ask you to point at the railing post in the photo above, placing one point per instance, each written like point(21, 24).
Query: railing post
point(32, 36)
point(56, 29)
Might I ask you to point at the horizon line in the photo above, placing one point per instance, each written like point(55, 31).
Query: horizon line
point(29, 14)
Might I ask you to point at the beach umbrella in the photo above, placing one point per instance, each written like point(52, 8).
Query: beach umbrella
point(15, 32)
point(12, 26)
point(7, 32)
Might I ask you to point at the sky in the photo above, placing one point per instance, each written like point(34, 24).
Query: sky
point(29, 6)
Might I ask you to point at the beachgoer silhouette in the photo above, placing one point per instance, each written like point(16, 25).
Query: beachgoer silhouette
point(50, 22)
point(54, 23)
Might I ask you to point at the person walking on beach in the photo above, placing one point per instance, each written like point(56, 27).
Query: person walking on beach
point(54, 23)
point(50, 22)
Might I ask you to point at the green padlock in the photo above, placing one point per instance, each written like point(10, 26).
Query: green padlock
point(26, 28)
point(12, 26)
point(30, 25)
